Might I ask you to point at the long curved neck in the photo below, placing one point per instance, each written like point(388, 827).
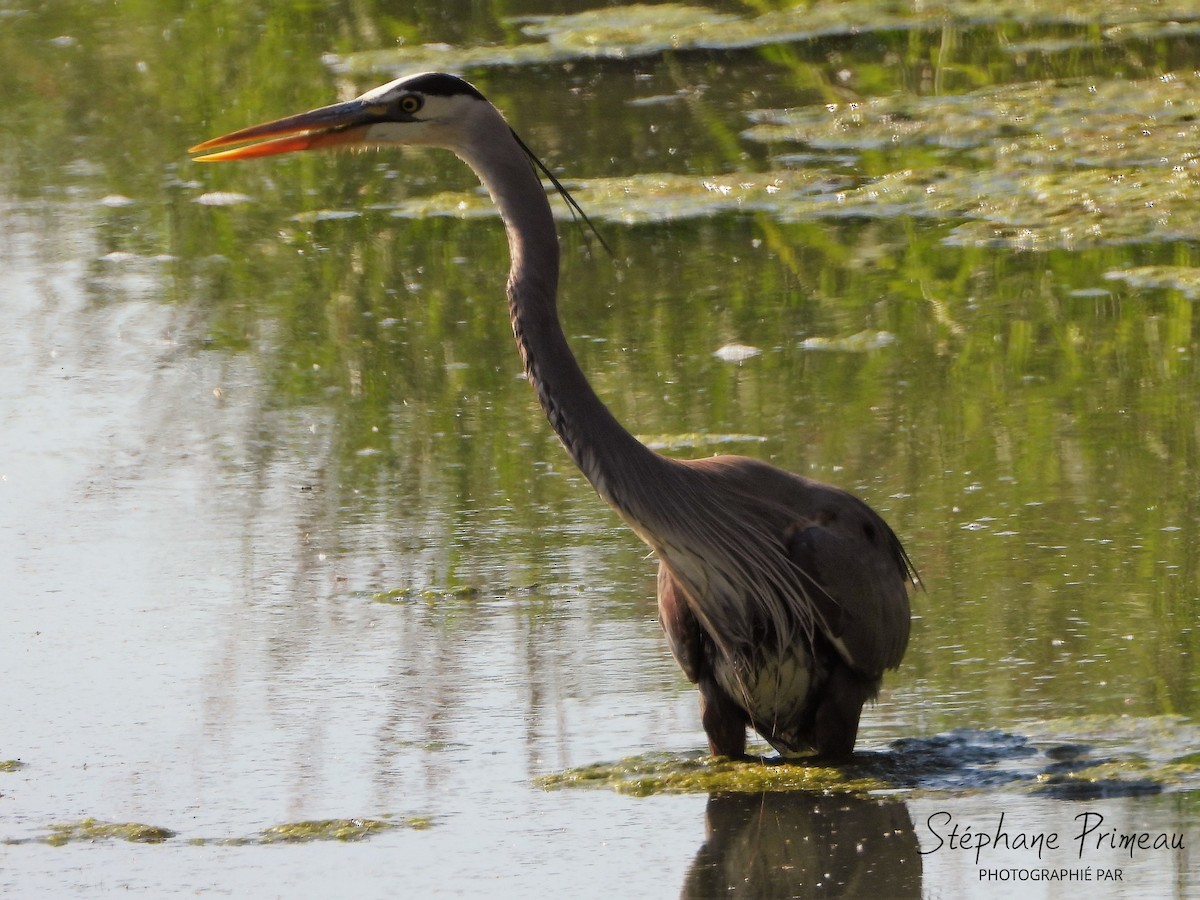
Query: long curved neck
point(608, 455)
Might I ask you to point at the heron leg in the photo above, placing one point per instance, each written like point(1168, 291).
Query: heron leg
point(724, 721)
point(835, 725)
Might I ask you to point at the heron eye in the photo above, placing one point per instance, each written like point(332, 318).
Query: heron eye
point(409, 104)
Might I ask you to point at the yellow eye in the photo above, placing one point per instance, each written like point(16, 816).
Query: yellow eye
point(409, 104)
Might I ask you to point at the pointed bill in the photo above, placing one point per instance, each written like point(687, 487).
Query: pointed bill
point(329, 126)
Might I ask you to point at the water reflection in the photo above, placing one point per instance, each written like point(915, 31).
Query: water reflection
point(775, 845)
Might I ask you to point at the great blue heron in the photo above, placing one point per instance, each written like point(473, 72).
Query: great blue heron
point(782, 598)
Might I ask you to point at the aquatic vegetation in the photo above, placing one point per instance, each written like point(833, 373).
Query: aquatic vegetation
point(309, 830)
point(664, 773)
point(327, 830)
point(626, 32)
point(1115, 764)
point(1026, 210)
point(402, 596)
point(656, 197)
point(1031, 166)
point(357, 828)
point(1034, 166)
point(1050, 124)
point(1047, 399)
point(91, 830)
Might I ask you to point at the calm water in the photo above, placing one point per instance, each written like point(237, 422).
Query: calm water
point(286, 538)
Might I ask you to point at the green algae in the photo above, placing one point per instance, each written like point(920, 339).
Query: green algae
point(1085, 758)
point(661, 197)
point(633, 31)
point(656, 197)
point(1050, 124)
point(1026, 210)
point(1038, 166)
point(404, 596)
point(349, 830)
point(663, 773)
point(629, 31)
point(1071, 210)
point(90, 830)
point(326, 830)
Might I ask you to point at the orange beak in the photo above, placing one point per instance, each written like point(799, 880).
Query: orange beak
point(329, 126)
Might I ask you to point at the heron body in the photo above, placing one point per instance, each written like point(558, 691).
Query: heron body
point(782, 599)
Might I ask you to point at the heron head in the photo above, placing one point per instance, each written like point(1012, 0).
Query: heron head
point(431, 109)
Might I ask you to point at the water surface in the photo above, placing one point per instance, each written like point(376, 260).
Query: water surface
point(288, 540)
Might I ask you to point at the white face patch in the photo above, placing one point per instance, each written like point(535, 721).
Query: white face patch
point(449, 122)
